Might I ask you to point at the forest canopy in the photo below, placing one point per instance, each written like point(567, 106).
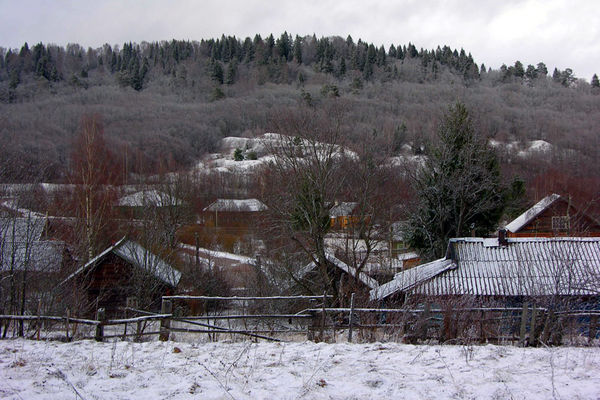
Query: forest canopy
point(166, 104)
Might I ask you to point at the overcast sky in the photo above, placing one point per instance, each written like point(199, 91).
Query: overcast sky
point(561, 33)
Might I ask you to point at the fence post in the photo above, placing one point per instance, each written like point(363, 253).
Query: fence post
point(535, 329)
point(524, 315)
point(425, 322)
point(39, 319)
point(101, 317)
point(67, 324)
point(593, 328)
point(165, 323)
point(323, 317)
point(351, 321)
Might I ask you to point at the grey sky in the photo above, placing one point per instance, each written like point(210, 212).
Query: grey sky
point(560, 33)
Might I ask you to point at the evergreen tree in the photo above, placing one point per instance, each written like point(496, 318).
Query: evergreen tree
point(217, 72)
point(458, 188)
point(392, 51)
point(342, 71)
point(541, 69)
point(284, 47)
point(531, 73)
point(231, 72)
point(519, 70)
point(595, 82)
point(298, 49)
point(556, 75)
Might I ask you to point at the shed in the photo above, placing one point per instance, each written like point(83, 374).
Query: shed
point(125, 269)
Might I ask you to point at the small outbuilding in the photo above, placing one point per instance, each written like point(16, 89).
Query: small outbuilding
point(124, 270)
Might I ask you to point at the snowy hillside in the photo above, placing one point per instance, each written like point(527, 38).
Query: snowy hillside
point(246, 370)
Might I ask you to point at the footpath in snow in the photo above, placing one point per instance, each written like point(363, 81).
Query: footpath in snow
point(246, 370)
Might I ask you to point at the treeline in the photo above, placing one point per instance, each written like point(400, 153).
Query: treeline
point(132, 63)
point(166, 104)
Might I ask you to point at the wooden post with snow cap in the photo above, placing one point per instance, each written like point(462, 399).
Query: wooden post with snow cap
point(165, 323)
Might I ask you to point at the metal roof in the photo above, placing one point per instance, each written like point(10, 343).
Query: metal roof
point(524, 267)
point(407, 279)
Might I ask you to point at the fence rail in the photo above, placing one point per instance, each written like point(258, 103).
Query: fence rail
point(527, 325)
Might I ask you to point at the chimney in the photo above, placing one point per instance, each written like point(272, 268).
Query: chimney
point(502, 240)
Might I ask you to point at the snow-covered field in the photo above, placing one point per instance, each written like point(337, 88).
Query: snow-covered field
point(246, 370)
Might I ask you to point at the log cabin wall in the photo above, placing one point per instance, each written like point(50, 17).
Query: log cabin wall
point(560, 219)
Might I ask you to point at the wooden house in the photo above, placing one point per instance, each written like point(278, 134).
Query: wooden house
point(344, 215)
point(232, 212)
point(554, 215)
point(137, 204)
point(125, 269)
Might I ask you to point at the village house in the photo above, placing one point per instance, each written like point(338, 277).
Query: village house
point(554, 215)
point(136, 205)
point(232, 212)
point(505, 269)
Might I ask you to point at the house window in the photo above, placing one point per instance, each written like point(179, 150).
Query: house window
point(560, 223)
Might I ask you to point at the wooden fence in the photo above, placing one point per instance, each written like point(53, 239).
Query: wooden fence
point(527, 325)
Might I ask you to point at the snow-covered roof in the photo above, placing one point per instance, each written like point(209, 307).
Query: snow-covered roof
point(139, 256)
point(518, 223)
point(22, 247)
point(40, 256)
point(364, 278)
point(567, 266)
point(153, 198)
point(236, 205)
point(343, 209)
point(409, 278)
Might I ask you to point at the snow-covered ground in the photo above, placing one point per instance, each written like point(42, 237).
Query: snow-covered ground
point(246, 370)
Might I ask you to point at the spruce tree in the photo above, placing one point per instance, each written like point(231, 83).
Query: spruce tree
point(231, 72)
point(458, 188)
point(298, 49)
point(595, 82)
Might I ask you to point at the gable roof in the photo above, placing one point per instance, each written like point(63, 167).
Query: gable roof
point(566, 266)
point(364, 278)
point(236, 205)
point(138, 256)
point(518, 223)
point(153, 198)
point(407, 279)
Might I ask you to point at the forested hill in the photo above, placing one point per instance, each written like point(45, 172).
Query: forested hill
point(169, 103)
